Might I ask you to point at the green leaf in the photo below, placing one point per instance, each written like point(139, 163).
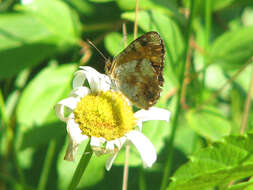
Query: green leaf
point(92, 175)
point(114, 42)
point(209, 123)
point(23, 36)
point(216, 5)
point(83, 7)
point(242, 186)
point(247, 16)
point(101, 1)
point(42, 93)
point(232, 49)
point(56, 16)
point(25, 158)
point(243, 79)
point(39, 135)
point(219, 164)
point(36, 105)
point(167, 7)
point(164, 6)
point(37, 32)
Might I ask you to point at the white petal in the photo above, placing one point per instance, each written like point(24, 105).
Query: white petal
point(71, 151)
point(97, 145)
point(110, 161)
point(79, 79)
point(96, 80)
point(139, 124)
point(80, 91)
point(117, 143)
point(104, 83)
point(110, 145)
point(96, 141)
point(122, 141)
point(75, 132)
point(144, 146)
point(152, 113)
point(69, 103)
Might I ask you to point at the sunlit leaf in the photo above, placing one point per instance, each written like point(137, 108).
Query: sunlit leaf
point(232, 49)
point(114, 42)
point(242, 186)
point(43, 92)
point(36, 106)
point(101, 1)
point(38, 31)
point(219, 164)
point(209, 123)
point(167, 7)
point(56, 16)
point(23, 36)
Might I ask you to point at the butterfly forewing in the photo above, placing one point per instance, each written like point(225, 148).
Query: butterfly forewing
point(137, 70)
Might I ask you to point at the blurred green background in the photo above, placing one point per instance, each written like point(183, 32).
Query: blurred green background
point(42, 43)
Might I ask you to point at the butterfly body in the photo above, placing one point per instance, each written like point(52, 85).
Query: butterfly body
point(137, 70)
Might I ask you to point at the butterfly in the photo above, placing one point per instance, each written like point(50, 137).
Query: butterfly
point(138, 70)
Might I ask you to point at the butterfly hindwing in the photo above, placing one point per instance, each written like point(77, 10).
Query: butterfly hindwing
point(138, 69)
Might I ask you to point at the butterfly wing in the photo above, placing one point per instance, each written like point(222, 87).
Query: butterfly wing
point(138, 70)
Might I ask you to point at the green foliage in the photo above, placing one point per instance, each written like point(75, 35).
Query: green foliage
point(43, 42)
point(41, 95)
point(216, 165)
point(35, 33)
point(209, 123)
point(231, 49)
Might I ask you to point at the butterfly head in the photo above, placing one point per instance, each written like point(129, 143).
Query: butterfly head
point(108, 66)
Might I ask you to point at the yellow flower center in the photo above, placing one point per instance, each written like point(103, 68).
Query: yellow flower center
point(104, 114)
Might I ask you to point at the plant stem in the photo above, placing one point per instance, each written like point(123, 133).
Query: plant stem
point(47, 165)
point(125, 173)
point(167, 170)
point(83, 163)
point(208, 24)
point(142, 183)
point(136, 19)
point(247, 105)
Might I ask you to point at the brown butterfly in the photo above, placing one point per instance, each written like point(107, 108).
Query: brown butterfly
point(138, 70)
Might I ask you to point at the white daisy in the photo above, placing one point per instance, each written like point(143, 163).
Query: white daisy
point(104, 116)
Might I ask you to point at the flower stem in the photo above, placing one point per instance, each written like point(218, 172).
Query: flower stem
point(47, 165)
point(167, 170)
point(125, 174)
point(83, 163)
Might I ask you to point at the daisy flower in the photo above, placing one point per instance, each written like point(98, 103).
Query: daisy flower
point(105, 117)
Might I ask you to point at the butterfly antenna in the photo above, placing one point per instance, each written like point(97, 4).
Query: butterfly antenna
point(97, 49)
